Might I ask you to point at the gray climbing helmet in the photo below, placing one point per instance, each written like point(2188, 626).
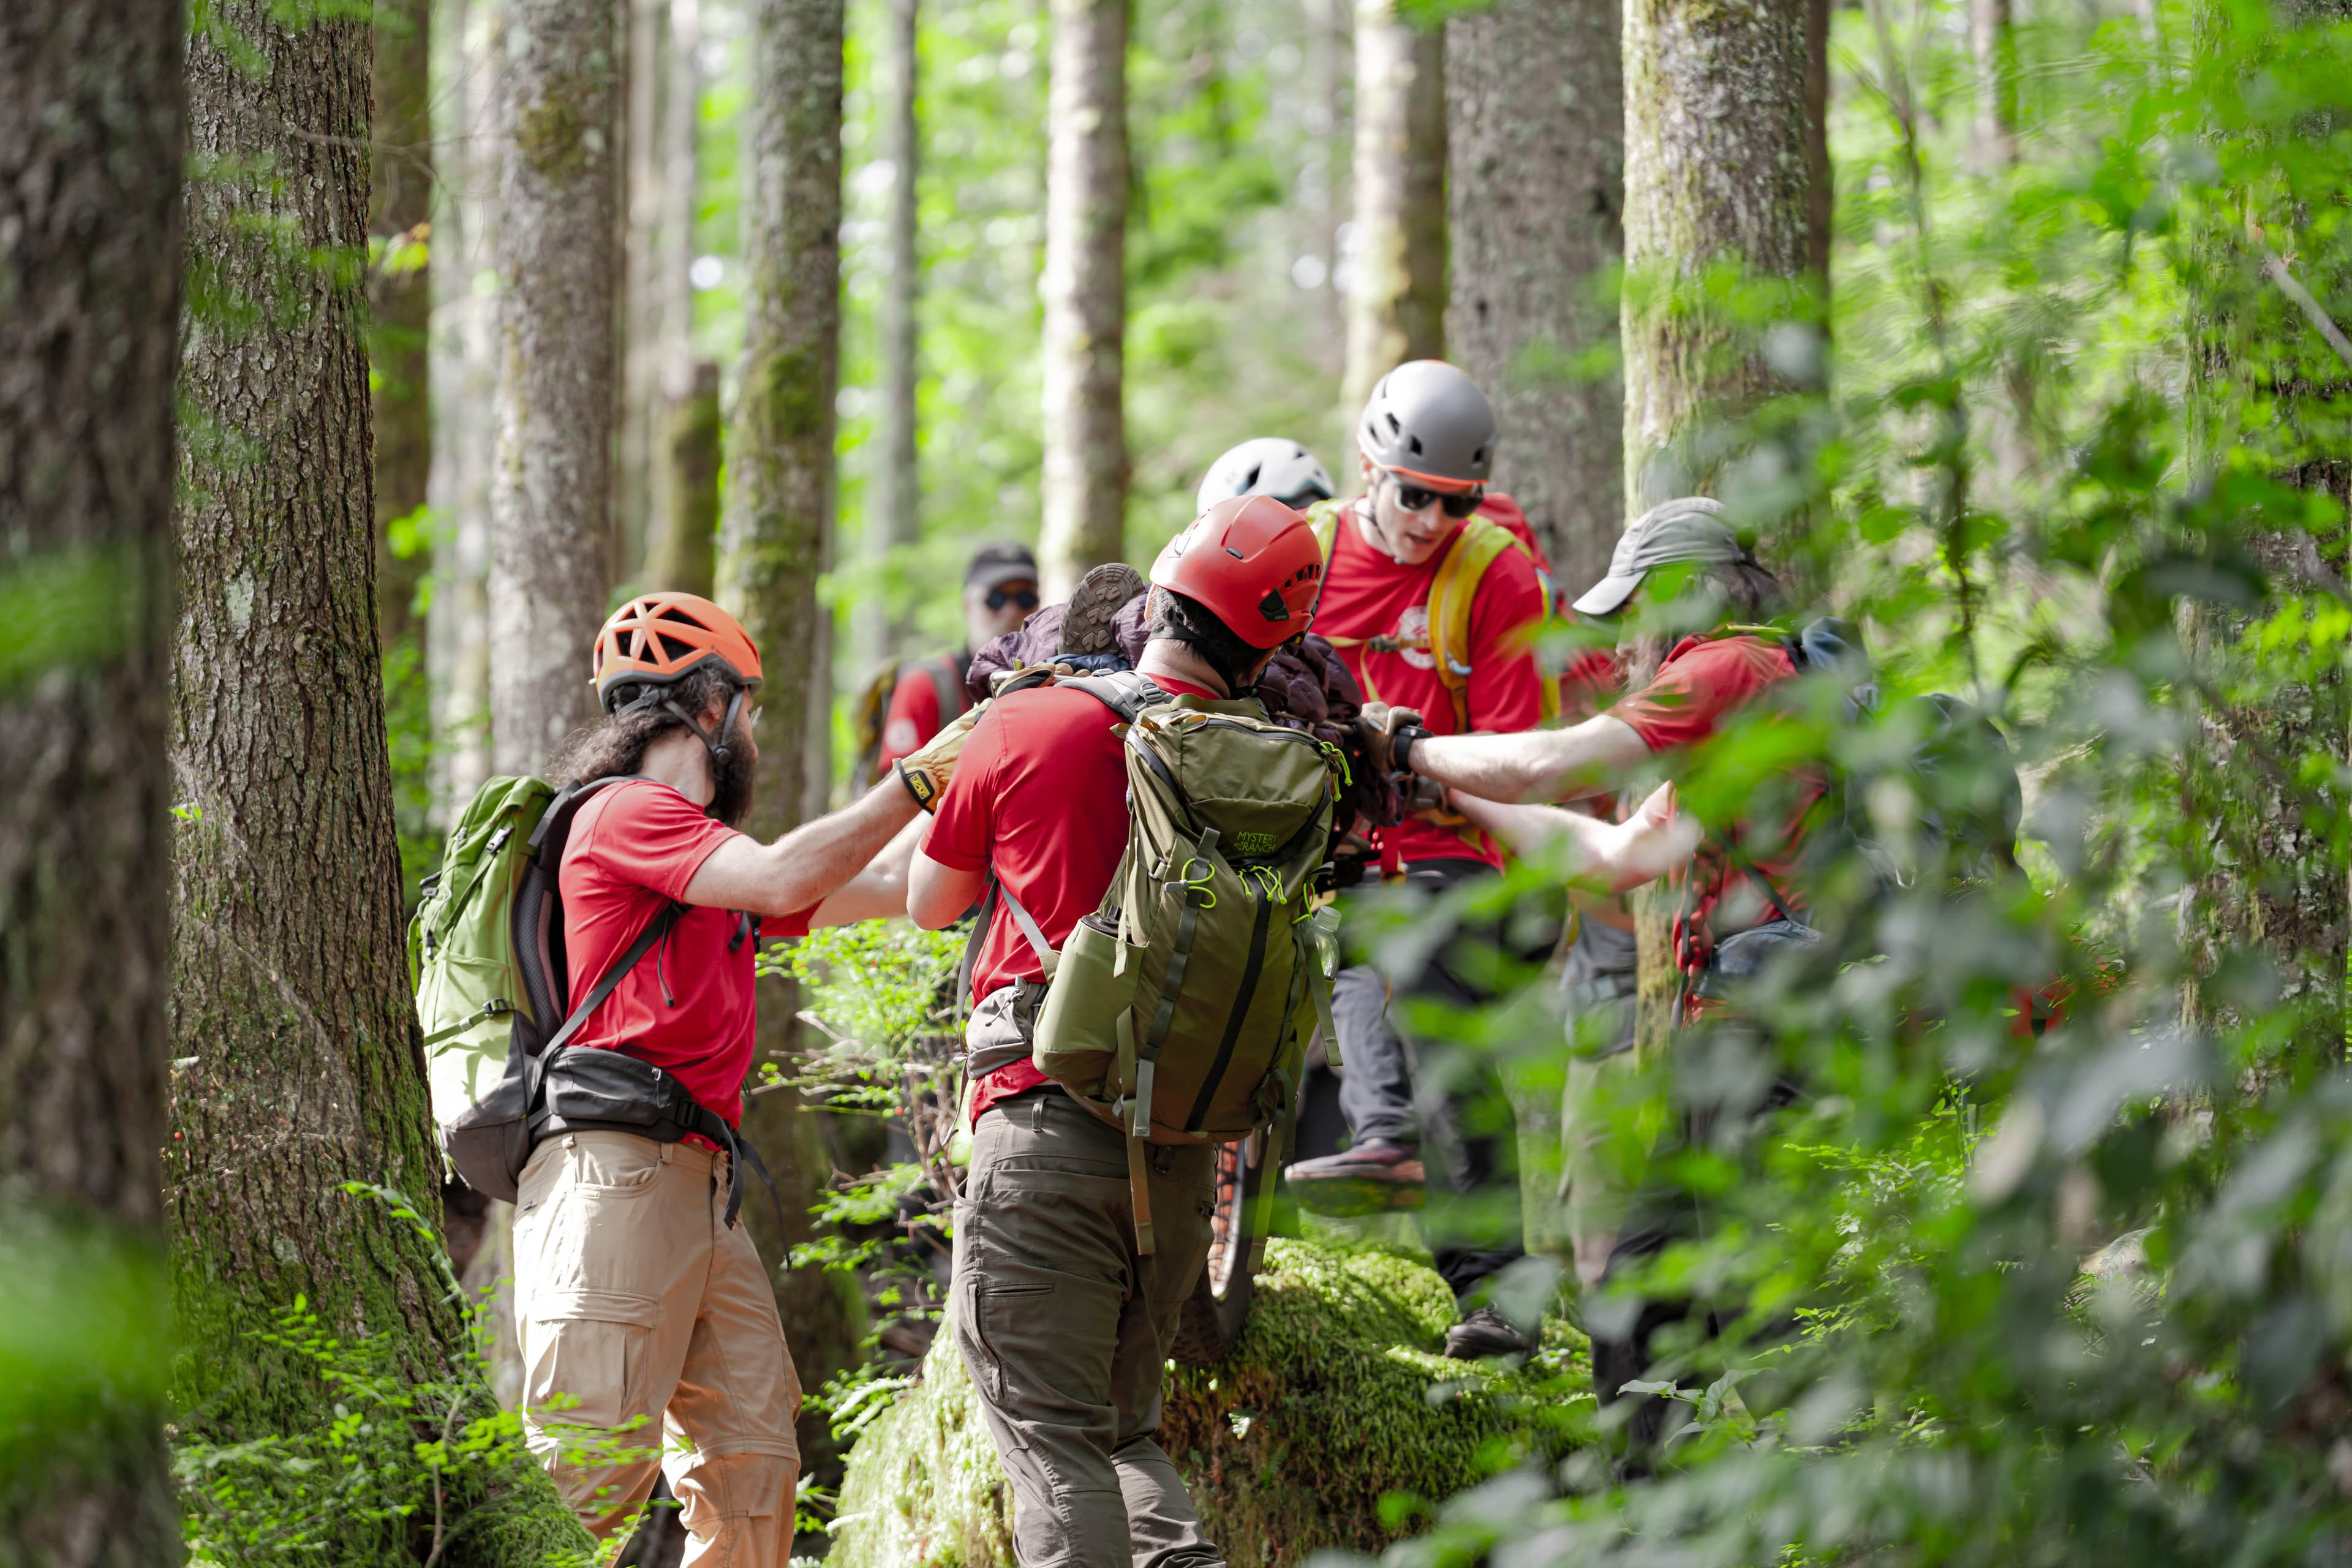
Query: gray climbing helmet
point(1428, 423)
point(1268, 466)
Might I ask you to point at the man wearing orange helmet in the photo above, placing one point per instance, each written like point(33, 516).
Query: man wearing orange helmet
point(638, 1298)
point(1063, 1318)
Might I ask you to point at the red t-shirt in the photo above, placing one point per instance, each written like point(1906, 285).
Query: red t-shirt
point(1702, 683)
point(1039, 796)
point(688, 1005)
point(914, 716)
point(1367, 595)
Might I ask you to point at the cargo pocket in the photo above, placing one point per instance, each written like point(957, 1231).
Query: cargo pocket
point(1002, 1317)
point(588, 1373)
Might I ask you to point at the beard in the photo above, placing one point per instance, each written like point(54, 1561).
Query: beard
point(731, 780)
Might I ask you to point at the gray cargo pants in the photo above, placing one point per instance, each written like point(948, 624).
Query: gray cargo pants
point(1065, 1330)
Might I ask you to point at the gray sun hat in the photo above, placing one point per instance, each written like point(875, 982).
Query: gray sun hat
point(1672, 532)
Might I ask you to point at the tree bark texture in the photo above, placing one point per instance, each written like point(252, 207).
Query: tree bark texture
point(1726, 161)
point(1535, 144)
point(774, 545)
point(1396, 282)
point(93, 122)
point(400, 301)
point(1992, 42)
point(551, 543)
point(686, 540)
point(638, 410)
point(894, 515)
point(1723, 162)
point(465, 347)
point(1085, 292)
point(300, 1064)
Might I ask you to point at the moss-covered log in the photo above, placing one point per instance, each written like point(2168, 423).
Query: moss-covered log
point(1324, 1407)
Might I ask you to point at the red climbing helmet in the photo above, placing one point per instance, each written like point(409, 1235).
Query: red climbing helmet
point(658, 640)
point(1252, 563)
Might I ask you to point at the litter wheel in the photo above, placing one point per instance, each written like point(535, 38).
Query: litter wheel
point(1213, 1317)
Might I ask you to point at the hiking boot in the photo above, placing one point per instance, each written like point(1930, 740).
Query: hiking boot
point(1101, 593)
point(1375, 1176)
point(1483, 1332)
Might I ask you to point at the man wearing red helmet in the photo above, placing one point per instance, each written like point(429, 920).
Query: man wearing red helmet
point(645, 1316)
point(1064, 1324)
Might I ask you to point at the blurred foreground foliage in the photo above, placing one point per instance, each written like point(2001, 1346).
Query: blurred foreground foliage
point(2000, 1286)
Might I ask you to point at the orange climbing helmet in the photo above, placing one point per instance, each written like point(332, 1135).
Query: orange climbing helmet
point(660, 639)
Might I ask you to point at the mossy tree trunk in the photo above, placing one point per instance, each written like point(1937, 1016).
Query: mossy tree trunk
point(1535, 150)
point(92, 127)
point(1085, 291)
point(300, 1064)
point(894, 489)
point(1726, 164)
point(686, 537)
point(400, 304)
point(1396, 281)
point(773, 543)
point(552, 536)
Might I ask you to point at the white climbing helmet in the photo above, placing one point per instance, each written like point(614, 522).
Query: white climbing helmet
point(1268, 466)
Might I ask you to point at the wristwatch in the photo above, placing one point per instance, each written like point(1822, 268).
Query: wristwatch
point(1401, 746)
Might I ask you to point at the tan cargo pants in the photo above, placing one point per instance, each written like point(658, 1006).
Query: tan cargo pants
point(1065, 1330)
point(650, 1340)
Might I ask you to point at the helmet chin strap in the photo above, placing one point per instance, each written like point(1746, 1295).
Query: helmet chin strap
point(716, 746)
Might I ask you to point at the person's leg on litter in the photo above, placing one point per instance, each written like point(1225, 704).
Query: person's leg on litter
point(1382, 1167)
point(733, 1459)
point(609, 1269)
point(1063, 1326)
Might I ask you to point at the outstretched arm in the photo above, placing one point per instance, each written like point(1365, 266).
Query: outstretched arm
point(806, 866)
point(1533, 765)
point(1616, 855)
point(937, 895)
point(878, 893)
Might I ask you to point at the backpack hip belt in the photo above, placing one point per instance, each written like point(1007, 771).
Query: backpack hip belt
point(591, 1090)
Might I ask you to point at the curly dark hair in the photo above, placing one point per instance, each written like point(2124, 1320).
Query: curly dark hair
point(617, 744)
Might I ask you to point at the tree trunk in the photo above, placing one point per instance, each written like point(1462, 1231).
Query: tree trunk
point(894, 511)
point(1396, 252)
point(1535, 144)
point(400, 305)
point(1992, 41)
point(772, 547)
point(92, 127)
point(466, 371)
point(300, 1065)
point(552, 537)
point(686, 540)
point(639, 412)
point(1725, 161)
point(1085, 291)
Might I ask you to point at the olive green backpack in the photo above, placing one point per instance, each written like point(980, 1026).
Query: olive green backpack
point(1182, 1009)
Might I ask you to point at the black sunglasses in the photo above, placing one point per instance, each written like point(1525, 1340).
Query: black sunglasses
point(1412, 498)
point(1025, 597)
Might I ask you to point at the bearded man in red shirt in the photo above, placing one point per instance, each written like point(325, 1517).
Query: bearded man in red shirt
point(639, 1301)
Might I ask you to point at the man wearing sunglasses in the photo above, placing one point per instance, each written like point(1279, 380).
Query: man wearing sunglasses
point(1423, 595)
point(1000, 592)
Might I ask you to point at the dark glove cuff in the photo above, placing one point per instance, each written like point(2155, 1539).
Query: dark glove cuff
point(1401, 746)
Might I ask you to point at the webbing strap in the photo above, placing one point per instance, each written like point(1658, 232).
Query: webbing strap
point(1139, 1186)
point(1171, 981)
point(496, 1006)
point(971, 948)
point(1033, 930)
point(1277, 1149)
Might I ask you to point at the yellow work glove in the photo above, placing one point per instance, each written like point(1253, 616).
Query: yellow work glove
point(925, 771)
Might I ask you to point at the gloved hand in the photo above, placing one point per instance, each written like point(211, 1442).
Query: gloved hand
point(926, 772)
point(1376, 727)
point(1427, 801)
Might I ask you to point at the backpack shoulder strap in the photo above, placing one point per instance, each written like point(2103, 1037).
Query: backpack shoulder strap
point(946, 680)
point(1323, 518)
point(1451, 594)
point(1124, 692)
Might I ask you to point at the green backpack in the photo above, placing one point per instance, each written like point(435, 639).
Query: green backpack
point(461, 951)
point(1182, 1009)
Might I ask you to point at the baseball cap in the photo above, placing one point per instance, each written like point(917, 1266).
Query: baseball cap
point(1690, 529)
point(995, 563)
